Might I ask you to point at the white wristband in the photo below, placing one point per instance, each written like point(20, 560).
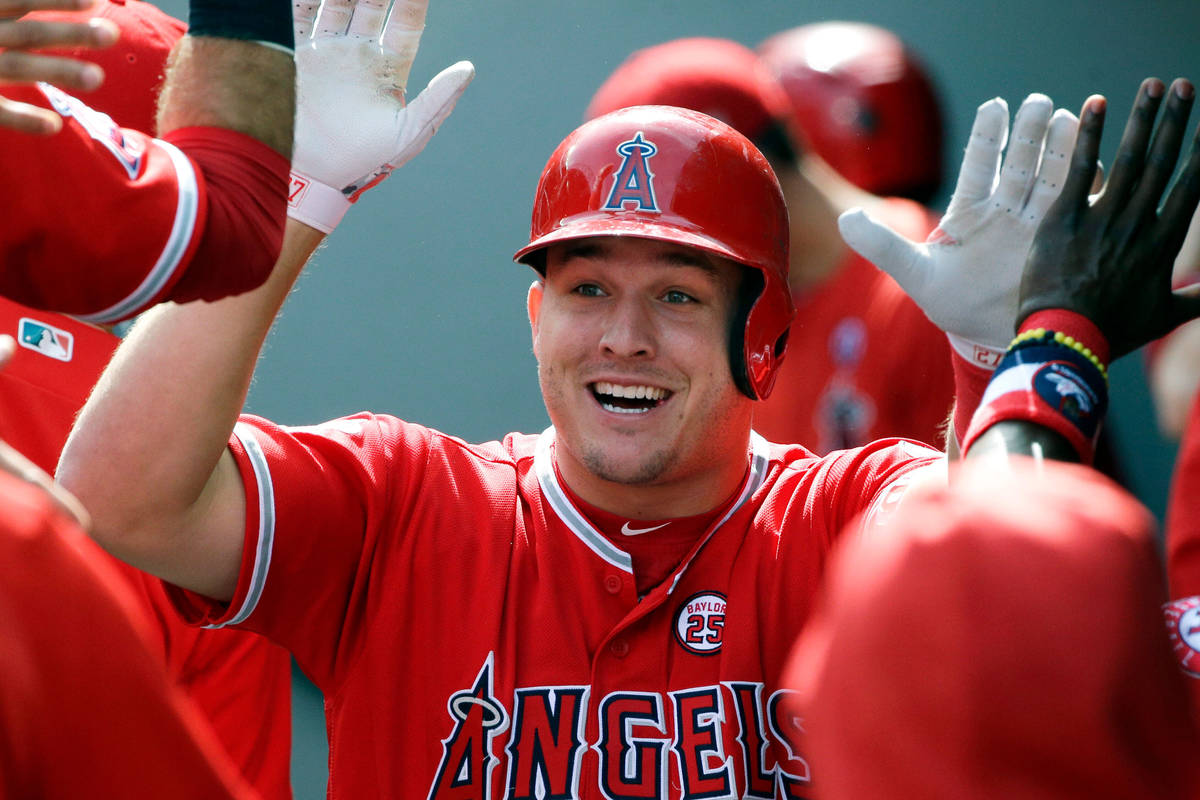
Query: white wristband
point(981, 355)
point(316, 204)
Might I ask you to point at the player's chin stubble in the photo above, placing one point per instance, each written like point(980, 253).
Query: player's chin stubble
point(592, 455)
point(648, 470)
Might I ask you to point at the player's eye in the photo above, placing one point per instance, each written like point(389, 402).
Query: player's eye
point(588, 290)
point(677, 296)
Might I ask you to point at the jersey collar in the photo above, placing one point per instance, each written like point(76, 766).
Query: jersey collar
point(579, 525)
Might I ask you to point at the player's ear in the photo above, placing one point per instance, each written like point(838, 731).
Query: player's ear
point(533, 306)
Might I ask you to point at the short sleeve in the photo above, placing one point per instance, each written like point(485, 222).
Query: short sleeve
point(319, 500)
point(94, 194)
point(868, 483)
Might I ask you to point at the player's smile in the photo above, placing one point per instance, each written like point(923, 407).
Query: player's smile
point(628, 399)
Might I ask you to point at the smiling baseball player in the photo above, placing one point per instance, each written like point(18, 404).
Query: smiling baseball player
point(476, 619)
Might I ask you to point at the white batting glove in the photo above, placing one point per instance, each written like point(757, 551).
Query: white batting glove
point(966, 276)
point(352, 124)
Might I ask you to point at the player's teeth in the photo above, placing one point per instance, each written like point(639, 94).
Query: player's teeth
point(630, 392)
point(622, 410)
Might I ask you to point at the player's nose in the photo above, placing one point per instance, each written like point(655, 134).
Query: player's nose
point(629, 330)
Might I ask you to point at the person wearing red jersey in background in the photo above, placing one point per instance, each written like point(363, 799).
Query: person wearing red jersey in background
point(1173, 363)
point(863, 361)
point(999, 639)
point(197, 214)
point(1182, 613)
point(866, 106)
point(85, 706)
point(1175, 372)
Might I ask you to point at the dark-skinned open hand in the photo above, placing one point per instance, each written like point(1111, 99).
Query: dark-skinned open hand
point(1109, 256)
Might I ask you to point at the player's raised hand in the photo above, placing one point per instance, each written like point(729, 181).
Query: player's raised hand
point(966, 276)
point(353, 127)
point(18, 65)
point(1109, 257)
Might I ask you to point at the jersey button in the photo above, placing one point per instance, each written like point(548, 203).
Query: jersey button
point(619, 648)
point(613, 584)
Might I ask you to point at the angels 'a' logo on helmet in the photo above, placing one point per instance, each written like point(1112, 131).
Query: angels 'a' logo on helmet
point(634, 182)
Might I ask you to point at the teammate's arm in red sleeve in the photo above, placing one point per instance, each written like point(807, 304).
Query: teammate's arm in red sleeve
point(229, 105)
point(181, 377)
point(107, 222)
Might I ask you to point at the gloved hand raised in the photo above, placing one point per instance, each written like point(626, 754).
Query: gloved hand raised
point(353, 127)
point(966, 276)
point(1109, 256)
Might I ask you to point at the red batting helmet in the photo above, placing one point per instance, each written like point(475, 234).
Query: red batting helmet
point(676, 175)
point(718, 77)
point(134, 67)
point(863, 103)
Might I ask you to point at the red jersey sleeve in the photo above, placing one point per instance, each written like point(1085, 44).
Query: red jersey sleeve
point(101, 221)
point(1183, 557)
point(317, 499)
point(85, 709)
point(105, 222)
point(867, 483)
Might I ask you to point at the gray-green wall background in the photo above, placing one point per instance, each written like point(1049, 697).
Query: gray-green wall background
point(414, 306)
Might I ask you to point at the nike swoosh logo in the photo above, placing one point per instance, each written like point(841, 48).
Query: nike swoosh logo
point(628, 531)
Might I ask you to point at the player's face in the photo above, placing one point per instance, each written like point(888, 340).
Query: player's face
point(631, 337)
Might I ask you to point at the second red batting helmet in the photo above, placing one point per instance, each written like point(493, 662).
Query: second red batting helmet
point(675, 175)
point(863, 103)
point(718, 77)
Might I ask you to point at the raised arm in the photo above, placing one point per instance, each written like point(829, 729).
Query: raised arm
point(148, 454)
point(966, 276)
point(104, 221)
point(1097, 283)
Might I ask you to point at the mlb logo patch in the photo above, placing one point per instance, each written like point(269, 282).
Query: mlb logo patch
point(46, 339)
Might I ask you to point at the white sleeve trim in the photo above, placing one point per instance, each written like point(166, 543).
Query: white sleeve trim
point(266, 524)
point(182, 230)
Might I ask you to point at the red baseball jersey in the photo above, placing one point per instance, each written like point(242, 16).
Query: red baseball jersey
point(85, 707)
point(241, 682)
point(999, 640)
point(94, 194)
point(863, 361)
point(475, 635)
point(1183, 556)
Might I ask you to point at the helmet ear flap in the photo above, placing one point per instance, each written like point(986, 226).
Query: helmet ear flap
point(750, 288)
